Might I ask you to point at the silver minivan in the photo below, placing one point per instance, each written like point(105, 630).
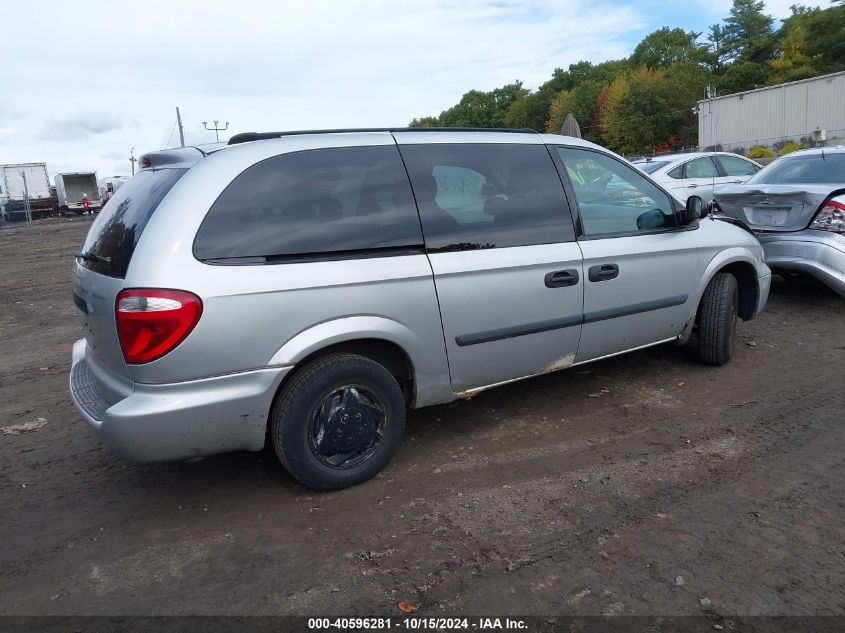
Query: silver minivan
point(306, 288)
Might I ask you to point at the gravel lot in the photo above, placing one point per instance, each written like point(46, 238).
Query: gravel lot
point(645, 484)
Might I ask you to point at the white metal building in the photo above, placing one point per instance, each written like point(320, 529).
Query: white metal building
point(811, 109)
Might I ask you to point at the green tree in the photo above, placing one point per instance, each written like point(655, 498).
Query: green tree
point(824, 36)
point(475, 109)
point(668, 46)
point(504, 98)
point(741, 76)
point(718, 53)
point(426, 121)
point(748, 32)
point(533, 110)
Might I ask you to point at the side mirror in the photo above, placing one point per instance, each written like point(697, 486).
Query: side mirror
point(693, 211)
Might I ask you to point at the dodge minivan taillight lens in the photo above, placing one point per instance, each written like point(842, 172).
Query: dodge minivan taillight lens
point(831, 217)
point(151, 322)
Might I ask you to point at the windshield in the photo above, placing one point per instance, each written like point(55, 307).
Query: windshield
point(650, 166)
point(118, 228)
point(812, 169)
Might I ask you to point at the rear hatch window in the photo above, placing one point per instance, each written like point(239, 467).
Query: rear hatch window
point(118, 228)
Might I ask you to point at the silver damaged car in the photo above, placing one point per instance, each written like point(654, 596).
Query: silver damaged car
point(796, 205)
point(305, 289)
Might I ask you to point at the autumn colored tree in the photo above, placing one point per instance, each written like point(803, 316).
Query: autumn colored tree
point(793, 63)
point(648, 100)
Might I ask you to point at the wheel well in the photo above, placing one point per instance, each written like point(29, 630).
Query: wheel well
point(388, 355)
point(746, 278)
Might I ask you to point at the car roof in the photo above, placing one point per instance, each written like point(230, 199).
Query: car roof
point(187, 156)
point(683, 156)
point(816, 151)
point(483, 134)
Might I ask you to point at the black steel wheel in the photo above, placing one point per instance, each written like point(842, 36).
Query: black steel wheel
point(347, 427)
point(337, 421)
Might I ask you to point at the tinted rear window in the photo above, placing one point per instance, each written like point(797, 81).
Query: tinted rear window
point(324, 203)
point(117, 229)
point(803, 170)
point(651, 166)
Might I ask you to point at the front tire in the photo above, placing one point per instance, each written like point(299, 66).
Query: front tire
point(717, 318)
point(338, 421)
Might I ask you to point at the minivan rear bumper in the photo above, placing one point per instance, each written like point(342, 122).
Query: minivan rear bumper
point(177, 420)
point(820, 254)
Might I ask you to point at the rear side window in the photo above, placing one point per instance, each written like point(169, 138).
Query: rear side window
point(323, 204)
point(701, 168)
point(677, 173)
point(118, 228)
point(487, 196)
point(737, 166)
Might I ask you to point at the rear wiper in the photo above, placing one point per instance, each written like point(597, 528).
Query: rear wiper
point(93, 257)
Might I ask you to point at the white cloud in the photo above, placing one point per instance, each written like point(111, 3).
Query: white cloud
point(82, 102)
point(81, 123)
point(263, 64)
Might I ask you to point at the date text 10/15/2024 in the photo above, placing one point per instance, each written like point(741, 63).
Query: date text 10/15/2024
point(416, 624)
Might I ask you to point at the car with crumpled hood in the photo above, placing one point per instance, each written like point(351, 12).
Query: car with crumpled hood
point(796, 206)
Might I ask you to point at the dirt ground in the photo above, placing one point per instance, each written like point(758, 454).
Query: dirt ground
point(646, 484)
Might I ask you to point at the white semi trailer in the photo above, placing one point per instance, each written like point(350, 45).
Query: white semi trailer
point(109, 185)
point(13, 191)
point(71, 188)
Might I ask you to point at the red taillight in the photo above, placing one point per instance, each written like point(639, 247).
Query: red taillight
point(151, 322)
point(146, 162)
point(831, 217)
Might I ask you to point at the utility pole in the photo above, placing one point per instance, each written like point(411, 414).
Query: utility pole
point(181, 131)
point(216, 129)
point(26, 208)
point(132, 159)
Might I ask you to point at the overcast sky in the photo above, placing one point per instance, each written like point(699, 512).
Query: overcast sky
point(84, 81)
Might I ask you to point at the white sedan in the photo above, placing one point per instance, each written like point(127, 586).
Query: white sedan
point(685, 175)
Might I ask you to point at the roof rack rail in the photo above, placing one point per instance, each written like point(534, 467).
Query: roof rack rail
point(245, 137)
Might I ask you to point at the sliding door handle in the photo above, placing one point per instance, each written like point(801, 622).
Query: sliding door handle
point(562, 278)
point(603, 272)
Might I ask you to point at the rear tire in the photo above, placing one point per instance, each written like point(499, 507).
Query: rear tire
point(337, 406)
point(717, 317)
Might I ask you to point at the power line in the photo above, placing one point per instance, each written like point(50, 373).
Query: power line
point(170, 137)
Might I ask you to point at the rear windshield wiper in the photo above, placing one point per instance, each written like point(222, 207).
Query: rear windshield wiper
point(93, 257)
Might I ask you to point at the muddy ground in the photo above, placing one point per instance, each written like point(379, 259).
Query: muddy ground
point(678, 485)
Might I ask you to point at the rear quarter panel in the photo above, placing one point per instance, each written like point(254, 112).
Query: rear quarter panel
point(263, 315)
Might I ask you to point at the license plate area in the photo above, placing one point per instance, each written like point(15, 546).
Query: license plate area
point(769, 216)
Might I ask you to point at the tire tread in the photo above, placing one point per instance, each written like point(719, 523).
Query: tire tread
point(713, 316)
point(282, 416)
